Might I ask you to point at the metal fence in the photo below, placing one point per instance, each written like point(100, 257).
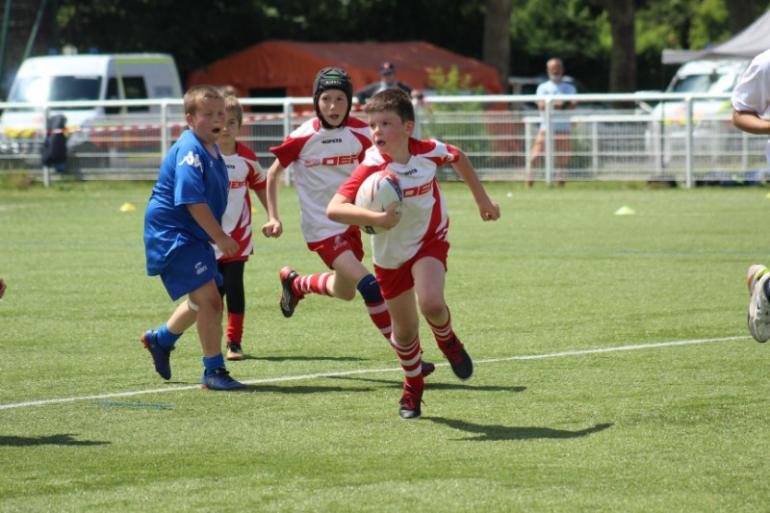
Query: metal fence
point(667, 138)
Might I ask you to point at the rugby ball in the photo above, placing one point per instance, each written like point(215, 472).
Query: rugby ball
point(378, 191)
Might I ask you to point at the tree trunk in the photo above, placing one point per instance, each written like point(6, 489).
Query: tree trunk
point(741, 14)
point(623, 55)
point(497, 37)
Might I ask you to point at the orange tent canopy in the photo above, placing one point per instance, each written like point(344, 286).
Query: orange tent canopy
point(292, 65)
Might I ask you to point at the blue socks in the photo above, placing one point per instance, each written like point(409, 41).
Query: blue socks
point(370, 290)
point(211, 363)
point(166, 339)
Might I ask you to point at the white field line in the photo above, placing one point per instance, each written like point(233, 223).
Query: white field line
point(320, 375)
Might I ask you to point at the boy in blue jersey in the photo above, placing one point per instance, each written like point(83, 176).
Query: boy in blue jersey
point(183, 217)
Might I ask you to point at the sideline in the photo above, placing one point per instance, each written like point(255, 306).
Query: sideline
point(280, 379)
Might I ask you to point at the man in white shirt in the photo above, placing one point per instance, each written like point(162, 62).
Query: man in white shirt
point(751, 97)
point(751, 110)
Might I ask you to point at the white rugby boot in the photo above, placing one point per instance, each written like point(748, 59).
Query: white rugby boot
point(759, 306)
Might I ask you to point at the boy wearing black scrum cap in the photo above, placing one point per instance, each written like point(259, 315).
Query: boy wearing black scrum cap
point(323, 152)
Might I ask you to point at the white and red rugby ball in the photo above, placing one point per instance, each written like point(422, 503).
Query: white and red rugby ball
point(377, 192)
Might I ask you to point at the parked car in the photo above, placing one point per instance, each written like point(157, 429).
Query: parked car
point(712, 126)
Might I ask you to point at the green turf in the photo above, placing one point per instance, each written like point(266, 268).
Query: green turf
point(681, 428)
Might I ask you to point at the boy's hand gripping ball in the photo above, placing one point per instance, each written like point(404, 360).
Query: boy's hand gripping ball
point(377, 193)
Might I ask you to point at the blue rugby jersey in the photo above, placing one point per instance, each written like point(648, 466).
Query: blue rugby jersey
point(189, 174)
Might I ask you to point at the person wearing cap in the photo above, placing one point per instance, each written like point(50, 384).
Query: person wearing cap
point(388, 80)
point(323, 152)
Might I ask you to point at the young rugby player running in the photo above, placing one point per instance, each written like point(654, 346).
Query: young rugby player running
point(323, 152)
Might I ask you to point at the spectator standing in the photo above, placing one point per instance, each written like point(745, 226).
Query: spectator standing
point(388, 80)
point(555, 85)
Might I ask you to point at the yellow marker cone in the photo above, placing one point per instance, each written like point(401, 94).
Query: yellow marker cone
point(767, 195)
point(625, 211)
point(127, 207)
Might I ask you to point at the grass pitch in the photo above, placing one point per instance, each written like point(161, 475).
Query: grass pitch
point(653, 428)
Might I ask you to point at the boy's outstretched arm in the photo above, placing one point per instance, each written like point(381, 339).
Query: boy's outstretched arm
point(273, 226)
point(489, 210)
point(203, 216)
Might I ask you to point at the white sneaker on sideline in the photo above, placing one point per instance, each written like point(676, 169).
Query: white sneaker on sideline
point(759, 306)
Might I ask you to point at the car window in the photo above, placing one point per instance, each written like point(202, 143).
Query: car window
point(30, 90)
point(691, 84)
point(113, 93)
point(38, 89)
point(724, 84)
point(135, 90)
point(705, 83)
point(68, 88)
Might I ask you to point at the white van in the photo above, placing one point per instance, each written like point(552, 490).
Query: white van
point(85, 77)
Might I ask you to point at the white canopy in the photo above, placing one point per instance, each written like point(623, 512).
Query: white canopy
point(748, 43)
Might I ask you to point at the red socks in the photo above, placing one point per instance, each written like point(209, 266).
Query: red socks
point(314, 283)
point(234, 327)
point(410, 358)
point(444, 333)
point(380, 317)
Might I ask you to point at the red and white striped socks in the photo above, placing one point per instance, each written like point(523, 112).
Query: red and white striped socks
point(410, 358)
point(380, 317)
point(312, 284)
point(375, 304)
point(444, 333)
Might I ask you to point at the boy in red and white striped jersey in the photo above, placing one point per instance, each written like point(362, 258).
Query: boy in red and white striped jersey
point(323, 152)
point(245, 173)
point(410, 257)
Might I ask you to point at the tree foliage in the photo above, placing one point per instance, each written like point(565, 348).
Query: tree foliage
point(198, 32)
point(578, 31)
point(195, 35)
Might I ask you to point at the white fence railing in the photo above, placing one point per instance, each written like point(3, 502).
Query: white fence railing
point(669, 138)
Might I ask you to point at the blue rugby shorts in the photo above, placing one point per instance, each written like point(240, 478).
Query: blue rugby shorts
point(191, 267)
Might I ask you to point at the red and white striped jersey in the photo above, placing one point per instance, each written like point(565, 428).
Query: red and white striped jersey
point(423, 212)
point(322, 159)
point(245, 173)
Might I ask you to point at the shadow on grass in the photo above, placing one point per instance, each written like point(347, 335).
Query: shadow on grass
point(491, 433)
point(429, 385)
point(304, 358)
point(300, 389)
point(64, 439)
point(276, 389)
